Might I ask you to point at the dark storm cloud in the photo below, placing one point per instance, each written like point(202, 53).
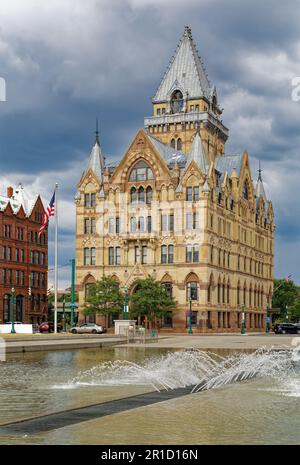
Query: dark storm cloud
point(68, 61)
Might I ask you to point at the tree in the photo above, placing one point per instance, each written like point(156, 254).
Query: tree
point(151, 300)
point(105, 298)
point(286, 297)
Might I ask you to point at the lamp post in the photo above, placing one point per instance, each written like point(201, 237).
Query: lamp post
point(287, 313)
point(243, 319)
point(64, 315)
point(125, 309)
point(72, 304)
point(267, 319)
point(190, 330)
point(13, 331)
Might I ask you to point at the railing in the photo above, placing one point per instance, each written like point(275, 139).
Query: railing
point(141, 335)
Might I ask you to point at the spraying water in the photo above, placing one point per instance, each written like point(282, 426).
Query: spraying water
point(199, 369)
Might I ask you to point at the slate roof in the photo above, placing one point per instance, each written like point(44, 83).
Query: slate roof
point(197, 154)
point(20, 198)
point(185, 72)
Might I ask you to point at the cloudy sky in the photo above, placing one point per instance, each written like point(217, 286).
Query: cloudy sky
point(66, 62)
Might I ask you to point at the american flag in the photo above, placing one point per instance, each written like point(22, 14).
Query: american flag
point(50, 211)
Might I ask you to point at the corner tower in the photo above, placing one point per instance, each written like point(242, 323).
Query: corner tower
point(184, 100)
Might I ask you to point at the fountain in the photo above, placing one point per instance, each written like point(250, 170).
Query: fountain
point(200, 370)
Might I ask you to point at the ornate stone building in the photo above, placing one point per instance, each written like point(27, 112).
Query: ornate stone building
point(179, 208)
point(23, 259)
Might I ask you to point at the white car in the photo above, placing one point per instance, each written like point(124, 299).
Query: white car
point(89, 328)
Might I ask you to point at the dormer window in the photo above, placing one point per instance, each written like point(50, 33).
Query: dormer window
point(245, 191)
point(176, 102)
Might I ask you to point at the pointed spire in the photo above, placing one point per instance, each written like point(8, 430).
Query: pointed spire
point(186, 71)
point(260, 190)
point(97, 161)
point(197, 152)
point(97, 132)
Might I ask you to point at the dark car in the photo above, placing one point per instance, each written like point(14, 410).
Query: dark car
point(285, 328)
point(298, 327)
point(48, 327)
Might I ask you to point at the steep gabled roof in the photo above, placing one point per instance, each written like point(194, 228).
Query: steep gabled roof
point(260, 189)
point(197, 154)
point(97, 161)
point(19, 200)
point(228, 163)
point(185, 72)
point(168, 154)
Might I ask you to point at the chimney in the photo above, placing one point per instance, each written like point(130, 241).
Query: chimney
point(10, 192)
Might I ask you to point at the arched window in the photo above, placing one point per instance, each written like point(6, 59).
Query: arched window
point(149, 195)
point(19, 308)
point(141, 194)
point(176, 101)
point(141, 224)
point(133, 195)
point(133, 224)
point(192, 290)
point(219, 292)
point(209, 291)
point(196, 253)
point(86, 256)
point(93, 256)
point(171, 253)
point(238, 294)
point(164, 256)
point(189, 253)
point(168, 287)
point(172, 144)
point(141, 172)
point(244, 294)
point(179, 144)
point(245, 191)
point(228, 292)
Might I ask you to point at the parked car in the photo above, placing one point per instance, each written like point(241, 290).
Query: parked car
point(298, 327)
point(90, 328)
point(16, 323)
point(285, 328)
point(48, 327)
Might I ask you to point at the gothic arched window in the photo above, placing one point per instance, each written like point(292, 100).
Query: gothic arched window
point(179, 144)
point(172, 144)
point(176, 101)
point(141, 172)
point(245, 191)
point(141, 194)
point(148, 195)
point(133, 195)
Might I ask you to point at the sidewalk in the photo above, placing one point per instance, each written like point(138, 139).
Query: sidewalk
point(231, 341)
point(39, 342)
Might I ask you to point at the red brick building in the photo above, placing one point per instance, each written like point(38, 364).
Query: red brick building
point(23, 257)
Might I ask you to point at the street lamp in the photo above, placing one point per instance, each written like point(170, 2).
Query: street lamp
point(13, 331)
point(287, 313)
point(125, 309)
point(243, 319)
point(64, 314)
point(267, 319)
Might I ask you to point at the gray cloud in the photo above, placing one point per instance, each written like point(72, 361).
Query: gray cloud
point(68, 61)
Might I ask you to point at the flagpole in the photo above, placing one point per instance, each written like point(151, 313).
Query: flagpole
point(56, 259)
